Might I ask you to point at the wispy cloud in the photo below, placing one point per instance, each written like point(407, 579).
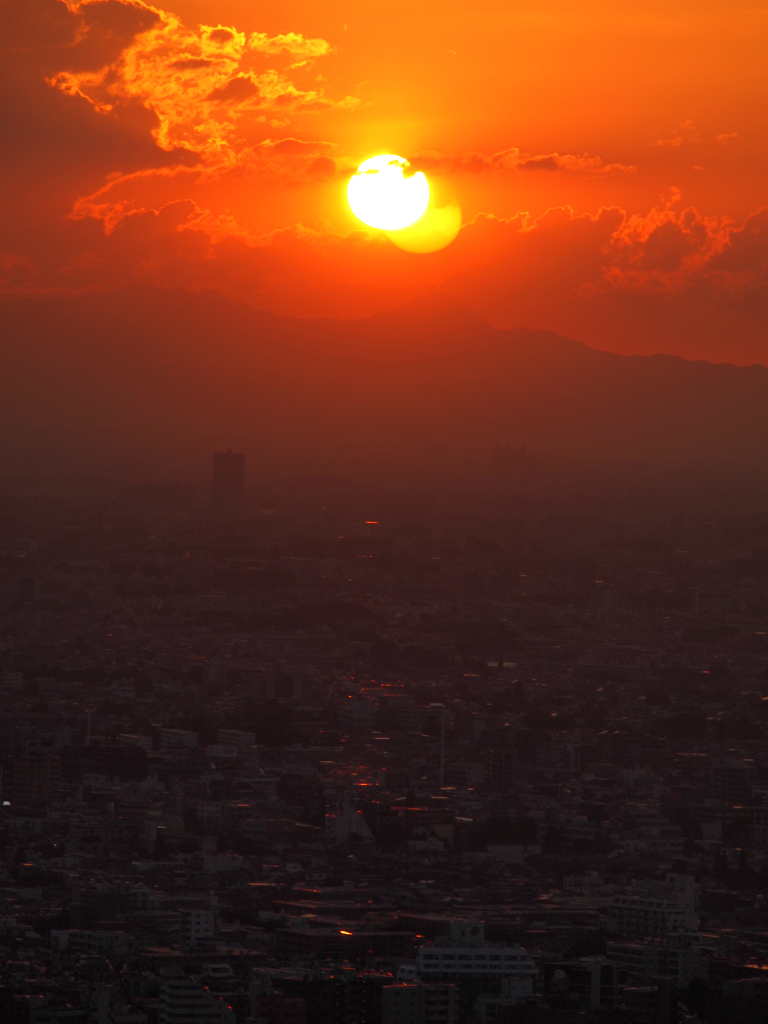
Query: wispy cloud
point(513, 160)
point(685, 134)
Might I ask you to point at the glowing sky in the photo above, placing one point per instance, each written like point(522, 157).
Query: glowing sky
point(609, 159)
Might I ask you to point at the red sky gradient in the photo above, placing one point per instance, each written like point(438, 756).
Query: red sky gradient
point(610, 159)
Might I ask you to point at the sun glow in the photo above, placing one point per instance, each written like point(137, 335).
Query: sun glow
point(381, 196)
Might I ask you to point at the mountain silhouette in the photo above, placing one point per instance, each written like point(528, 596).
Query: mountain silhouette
point(151, 375)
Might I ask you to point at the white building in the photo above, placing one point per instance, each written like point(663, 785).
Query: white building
point(467, 953)
point(81, 940)
point(184, 1001)
point(677, 956)
point(177, 739)
point(490, 1006)
point(243, 741)
point(658, 911)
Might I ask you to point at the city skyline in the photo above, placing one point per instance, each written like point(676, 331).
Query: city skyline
point(383, 512)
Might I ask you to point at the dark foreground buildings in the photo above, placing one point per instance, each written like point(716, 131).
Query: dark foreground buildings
point(362, 759)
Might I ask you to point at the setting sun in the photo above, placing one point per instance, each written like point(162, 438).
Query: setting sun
point(381, 196)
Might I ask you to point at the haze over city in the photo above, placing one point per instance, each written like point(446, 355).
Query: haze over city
point(383, 512)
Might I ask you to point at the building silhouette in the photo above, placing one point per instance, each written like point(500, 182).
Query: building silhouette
point(228, 480)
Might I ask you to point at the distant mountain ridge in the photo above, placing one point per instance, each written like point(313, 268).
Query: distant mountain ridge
point(144, 370)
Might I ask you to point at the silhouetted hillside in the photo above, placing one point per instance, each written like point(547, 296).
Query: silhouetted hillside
point(153, 374)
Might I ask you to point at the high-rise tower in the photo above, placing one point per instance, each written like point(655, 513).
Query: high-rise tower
point(228, 480)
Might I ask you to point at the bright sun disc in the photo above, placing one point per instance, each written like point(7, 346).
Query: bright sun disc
point(381, 196)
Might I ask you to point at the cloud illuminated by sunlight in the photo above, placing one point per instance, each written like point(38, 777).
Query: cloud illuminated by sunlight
point(203, 85)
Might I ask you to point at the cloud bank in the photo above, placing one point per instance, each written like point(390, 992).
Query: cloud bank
point(116, 113)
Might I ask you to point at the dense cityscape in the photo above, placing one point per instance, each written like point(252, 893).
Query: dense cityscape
point(368, 758)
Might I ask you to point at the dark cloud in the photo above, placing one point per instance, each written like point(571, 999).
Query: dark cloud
point(513, 160)
point(746, 255)
point(296, 147)
point(221, 35)
point(668, 281)
point(236, 90)
point(322, 167)
point(190, 64)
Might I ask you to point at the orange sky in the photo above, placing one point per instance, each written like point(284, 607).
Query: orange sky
point(609, 159)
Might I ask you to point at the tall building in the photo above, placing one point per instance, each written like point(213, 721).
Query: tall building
point(228, 480)
point(595, 981)
point(502, 767)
